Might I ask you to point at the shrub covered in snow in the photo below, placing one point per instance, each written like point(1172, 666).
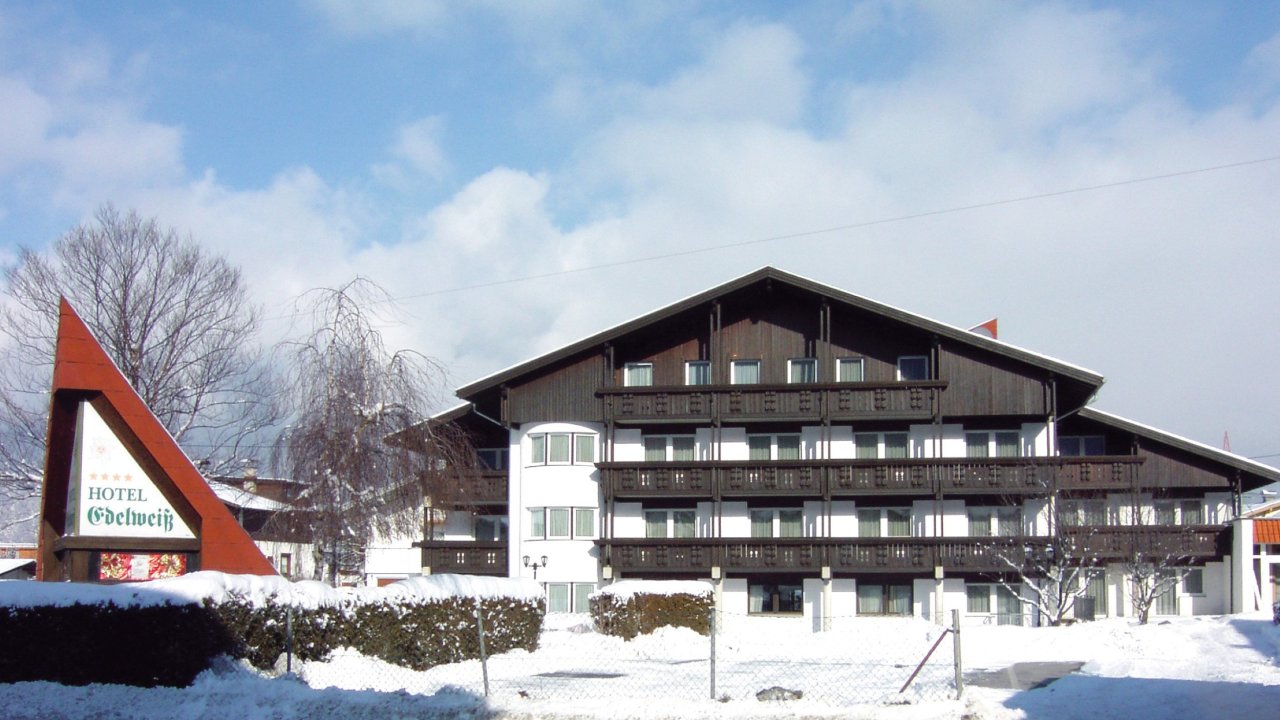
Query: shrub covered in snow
point(168, 631)
point(629, 608)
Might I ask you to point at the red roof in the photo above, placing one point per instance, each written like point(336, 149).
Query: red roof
point(82, 370)
point(1266, 532)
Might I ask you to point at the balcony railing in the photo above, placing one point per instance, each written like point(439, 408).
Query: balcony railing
point(738, 403)
point(1150, 543)
point(468, 557)
point(835, 478)
point(482, 487)
point(887, 555)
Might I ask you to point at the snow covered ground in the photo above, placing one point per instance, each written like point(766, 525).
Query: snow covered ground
point(1206, 667)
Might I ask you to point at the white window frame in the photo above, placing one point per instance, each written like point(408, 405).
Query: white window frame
point(543, 440)
point(688, 371)
point(794, 363)
point(992, 443)
point(579, 513)
point(884, 520)
point(735, 364)
point(924, 358)
point(629, 381)
point(859, 362)
point(774, 445)
point(669, 446)
point(553, 607)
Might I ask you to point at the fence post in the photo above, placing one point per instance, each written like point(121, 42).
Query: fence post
point(484, 658)
point(955, 631)
point(712, 624)
point(288, 639)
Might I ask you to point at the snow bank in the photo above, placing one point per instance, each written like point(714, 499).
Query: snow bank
point(259, 590)
point(625, 590)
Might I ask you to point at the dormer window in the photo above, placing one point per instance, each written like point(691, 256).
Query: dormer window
point(638, 374)
point(802, 370)
point(746, 372)
point(913, 367)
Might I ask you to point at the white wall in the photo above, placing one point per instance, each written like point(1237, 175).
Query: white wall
point(556, 486)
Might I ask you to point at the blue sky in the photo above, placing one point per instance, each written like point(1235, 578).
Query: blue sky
point(443, 146)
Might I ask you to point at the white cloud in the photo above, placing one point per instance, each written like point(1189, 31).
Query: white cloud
point(418, 153)
point(381, 16)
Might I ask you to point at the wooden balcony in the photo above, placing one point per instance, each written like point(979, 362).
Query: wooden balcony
point(796, 402)
point(1155, 543)
point(839, 478)
point(466, 557)
point(483, 487)
point(808, 555)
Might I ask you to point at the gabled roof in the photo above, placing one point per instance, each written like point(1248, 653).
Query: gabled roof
point(82, 369)
point(1230, 459)
point(778, 276)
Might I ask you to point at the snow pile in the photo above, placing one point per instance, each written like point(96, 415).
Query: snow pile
point(260, 591)
point(625, 590)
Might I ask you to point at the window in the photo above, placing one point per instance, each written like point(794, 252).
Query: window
point(670, 523)
point(895, 445)
point(802, 370)
point(582, 596)
point(584, 522)
point(558, 523)
point(1009, 521)
point(761, 523)
point(655, 523)
point(1008, 607)
point(884, 599)
point(554, 523)
point(1191, 512)
point(1193, 581)
point(978, 598)
point(896, 522)
point(662, 448)
point(775, 597)
point(913, 367)
point(867, 446)
point(1079, 445)
point(996, 444)
point(682, 449)
point(286, 564)
point(773, 447)
point(562, 449)
point(655, 449)
point(849, 370)
point(976, 445)
point(745, 372)
point(980, 522)
point(697, 372)
point(492, 458)
point(1096, 588)
point(637, 374)
point(558, 598)
point(491, 528)
point(790, 523)
point(584, 449)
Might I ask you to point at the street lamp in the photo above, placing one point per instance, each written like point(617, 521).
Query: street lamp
point(535, 565)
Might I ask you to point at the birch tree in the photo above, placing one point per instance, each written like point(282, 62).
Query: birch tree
point(349, 394)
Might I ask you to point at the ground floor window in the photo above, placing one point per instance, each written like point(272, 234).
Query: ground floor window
point(884, 599)
point(569, 597)
point(775, 597)
point(1008, 606)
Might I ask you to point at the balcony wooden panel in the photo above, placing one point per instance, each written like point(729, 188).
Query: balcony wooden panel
point(1153, 542)
point(468, 557)
point(851, 477)
point(914, 555)
point(484, 487)
point(794, 402)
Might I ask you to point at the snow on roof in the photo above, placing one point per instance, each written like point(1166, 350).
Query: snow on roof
point(241, 498)
point(625, 590)
point(8, 565)
point(257, 590)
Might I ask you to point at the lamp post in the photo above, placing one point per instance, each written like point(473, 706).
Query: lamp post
point(535, 565)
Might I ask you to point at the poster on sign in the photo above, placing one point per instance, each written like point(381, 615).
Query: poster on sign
point(125, 567)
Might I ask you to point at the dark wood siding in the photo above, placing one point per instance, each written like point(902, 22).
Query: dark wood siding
point(1167, 467)
point(565, 392)
point(879, 342)
point(982, 383)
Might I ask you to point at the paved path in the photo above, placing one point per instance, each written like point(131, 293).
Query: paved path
point(1022, 676)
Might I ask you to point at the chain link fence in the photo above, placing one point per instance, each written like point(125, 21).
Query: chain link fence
point(858, 661)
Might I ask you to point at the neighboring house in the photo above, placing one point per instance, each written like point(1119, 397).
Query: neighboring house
point(814, 453)
point(258, 503)
point(17, 568)
point(1258, 541)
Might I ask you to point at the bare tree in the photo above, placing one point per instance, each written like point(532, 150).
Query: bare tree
point(1156, 555)
point(175, 319)
point(1053, 570)
point(349, 395)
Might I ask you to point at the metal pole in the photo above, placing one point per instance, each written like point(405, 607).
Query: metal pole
point(713, 652)
point(484, 660)
point(955, 629)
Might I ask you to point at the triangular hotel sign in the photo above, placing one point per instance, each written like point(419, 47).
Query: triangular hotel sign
point(121, 500)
